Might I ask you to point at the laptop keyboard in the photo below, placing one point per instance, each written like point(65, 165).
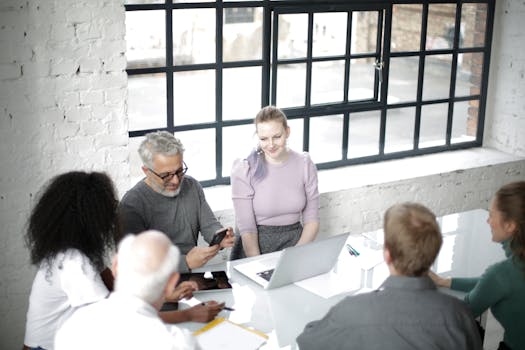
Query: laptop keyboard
point(266, 274)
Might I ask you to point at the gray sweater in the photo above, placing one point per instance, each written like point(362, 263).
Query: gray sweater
point(181, 217)
point(404, 313)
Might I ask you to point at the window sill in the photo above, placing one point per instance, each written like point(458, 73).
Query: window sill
point(219, 197)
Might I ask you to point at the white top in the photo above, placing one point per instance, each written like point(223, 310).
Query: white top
point(57, 292)
point(121, 322)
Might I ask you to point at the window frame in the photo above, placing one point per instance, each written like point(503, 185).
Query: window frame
point(269, 74)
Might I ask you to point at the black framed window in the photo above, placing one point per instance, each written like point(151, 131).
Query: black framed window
point(360, 81)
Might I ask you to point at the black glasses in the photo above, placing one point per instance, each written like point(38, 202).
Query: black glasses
point(168, 176)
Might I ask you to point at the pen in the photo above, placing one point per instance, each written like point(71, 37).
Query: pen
point(352, 250)
point(223, 308)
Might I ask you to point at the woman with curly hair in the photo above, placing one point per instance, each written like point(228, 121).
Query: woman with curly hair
point(71, 230)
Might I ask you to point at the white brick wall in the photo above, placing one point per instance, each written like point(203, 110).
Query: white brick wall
point(62, 107)
point(506, 101)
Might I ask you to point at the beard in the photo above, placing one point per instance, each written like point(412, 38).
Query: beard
point(172, 194)
point(167, 193)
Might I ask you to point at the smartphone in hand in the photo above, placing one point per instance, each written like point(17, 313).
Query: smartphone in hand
point(218, 237)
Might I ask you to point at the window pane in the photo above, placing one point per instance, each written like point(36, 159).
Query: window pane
point(241, 92)
point(239, 15)
point(364, 32)
point(193, 36)
point(406, 28)
point(470, 68)
point(147, 101)
point(433, 127)
point(238, 142)
point(291, 85)
point(194, 97)
point(399, 135)
point(465, 122)
point(243, 41)
point(145, 39)
point(473, 24)
point(440, 26)
point(293, 36)
point(326, 138)
point(329, 37)
point(327, 81)
point(199, 152)
point(295, 141)
point(362, 74)
point(436, 83)
point(402, 81)
point(363, 134)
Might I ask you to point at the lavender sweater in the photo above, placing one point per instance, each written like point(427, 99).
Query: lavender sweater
point(287, 194)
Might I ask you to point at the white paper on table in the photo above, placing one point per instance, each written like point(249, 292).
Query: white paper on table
point(329, 284)
point(368, 259)
point(223, 334)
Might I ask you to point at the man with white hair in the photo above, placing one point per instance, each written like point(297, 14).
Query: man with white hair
point(145, 270)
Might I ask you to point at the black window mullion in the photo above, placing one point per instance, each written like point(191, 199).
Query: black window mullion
point(265, 73)
point(275, 62)
point(346, 116)
point(170, 122)
point(378, 55)
point(218, 88)
point(384, 86)
point(421, 75)
point(453, 75)
point(308, 97)
point(347, 56)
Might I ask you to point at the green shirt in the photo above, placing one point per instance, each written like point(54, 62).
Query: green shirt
point(502, 289)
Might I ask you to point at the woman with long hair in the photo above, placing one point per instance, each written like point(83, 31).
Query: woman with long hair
point(502, 286)
point(274, 191)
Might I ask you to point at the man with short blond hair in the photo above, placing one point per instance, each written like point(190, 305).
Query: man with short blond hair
point(406, 312)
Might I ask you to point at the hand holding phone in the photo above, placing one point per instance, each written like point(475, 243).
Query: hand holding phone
point(218, 236)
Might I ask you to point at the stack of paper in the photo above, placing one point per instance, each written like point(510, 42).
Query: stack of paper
point(224, 334)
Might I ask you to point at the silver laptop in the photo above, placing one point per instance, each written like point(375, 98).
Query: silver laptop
point(295, 263)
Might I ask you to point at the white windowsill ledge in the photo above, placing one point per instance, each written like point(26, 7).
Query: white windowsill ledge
point(219, 197)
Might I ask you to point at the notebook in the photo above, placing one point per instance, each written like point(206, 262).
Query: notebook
point(295, 263)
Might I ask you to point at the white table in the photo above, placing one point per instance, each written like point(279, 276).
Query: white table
point(282, 313)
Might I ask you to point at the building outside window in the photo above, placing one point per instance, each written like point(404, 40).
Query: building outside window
point(360, 81)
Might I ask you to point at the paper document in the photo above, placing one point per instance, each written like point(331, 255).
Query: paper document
point(329, 284)
point(224, 334)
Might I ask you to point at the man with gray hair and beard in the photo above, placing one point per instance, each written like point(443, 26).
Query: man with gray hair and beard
point(145, 269)
point(172, 202)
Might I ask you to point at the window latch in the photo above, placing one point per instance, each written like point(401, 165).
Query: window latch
point(378, 65)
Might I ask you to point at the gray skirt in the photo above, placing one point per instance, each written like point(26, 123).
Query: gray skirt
point(271, 239)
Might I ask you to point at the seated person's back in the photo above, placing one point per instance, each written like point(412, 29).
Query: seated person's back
point(146, 269)
point(407, 311)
